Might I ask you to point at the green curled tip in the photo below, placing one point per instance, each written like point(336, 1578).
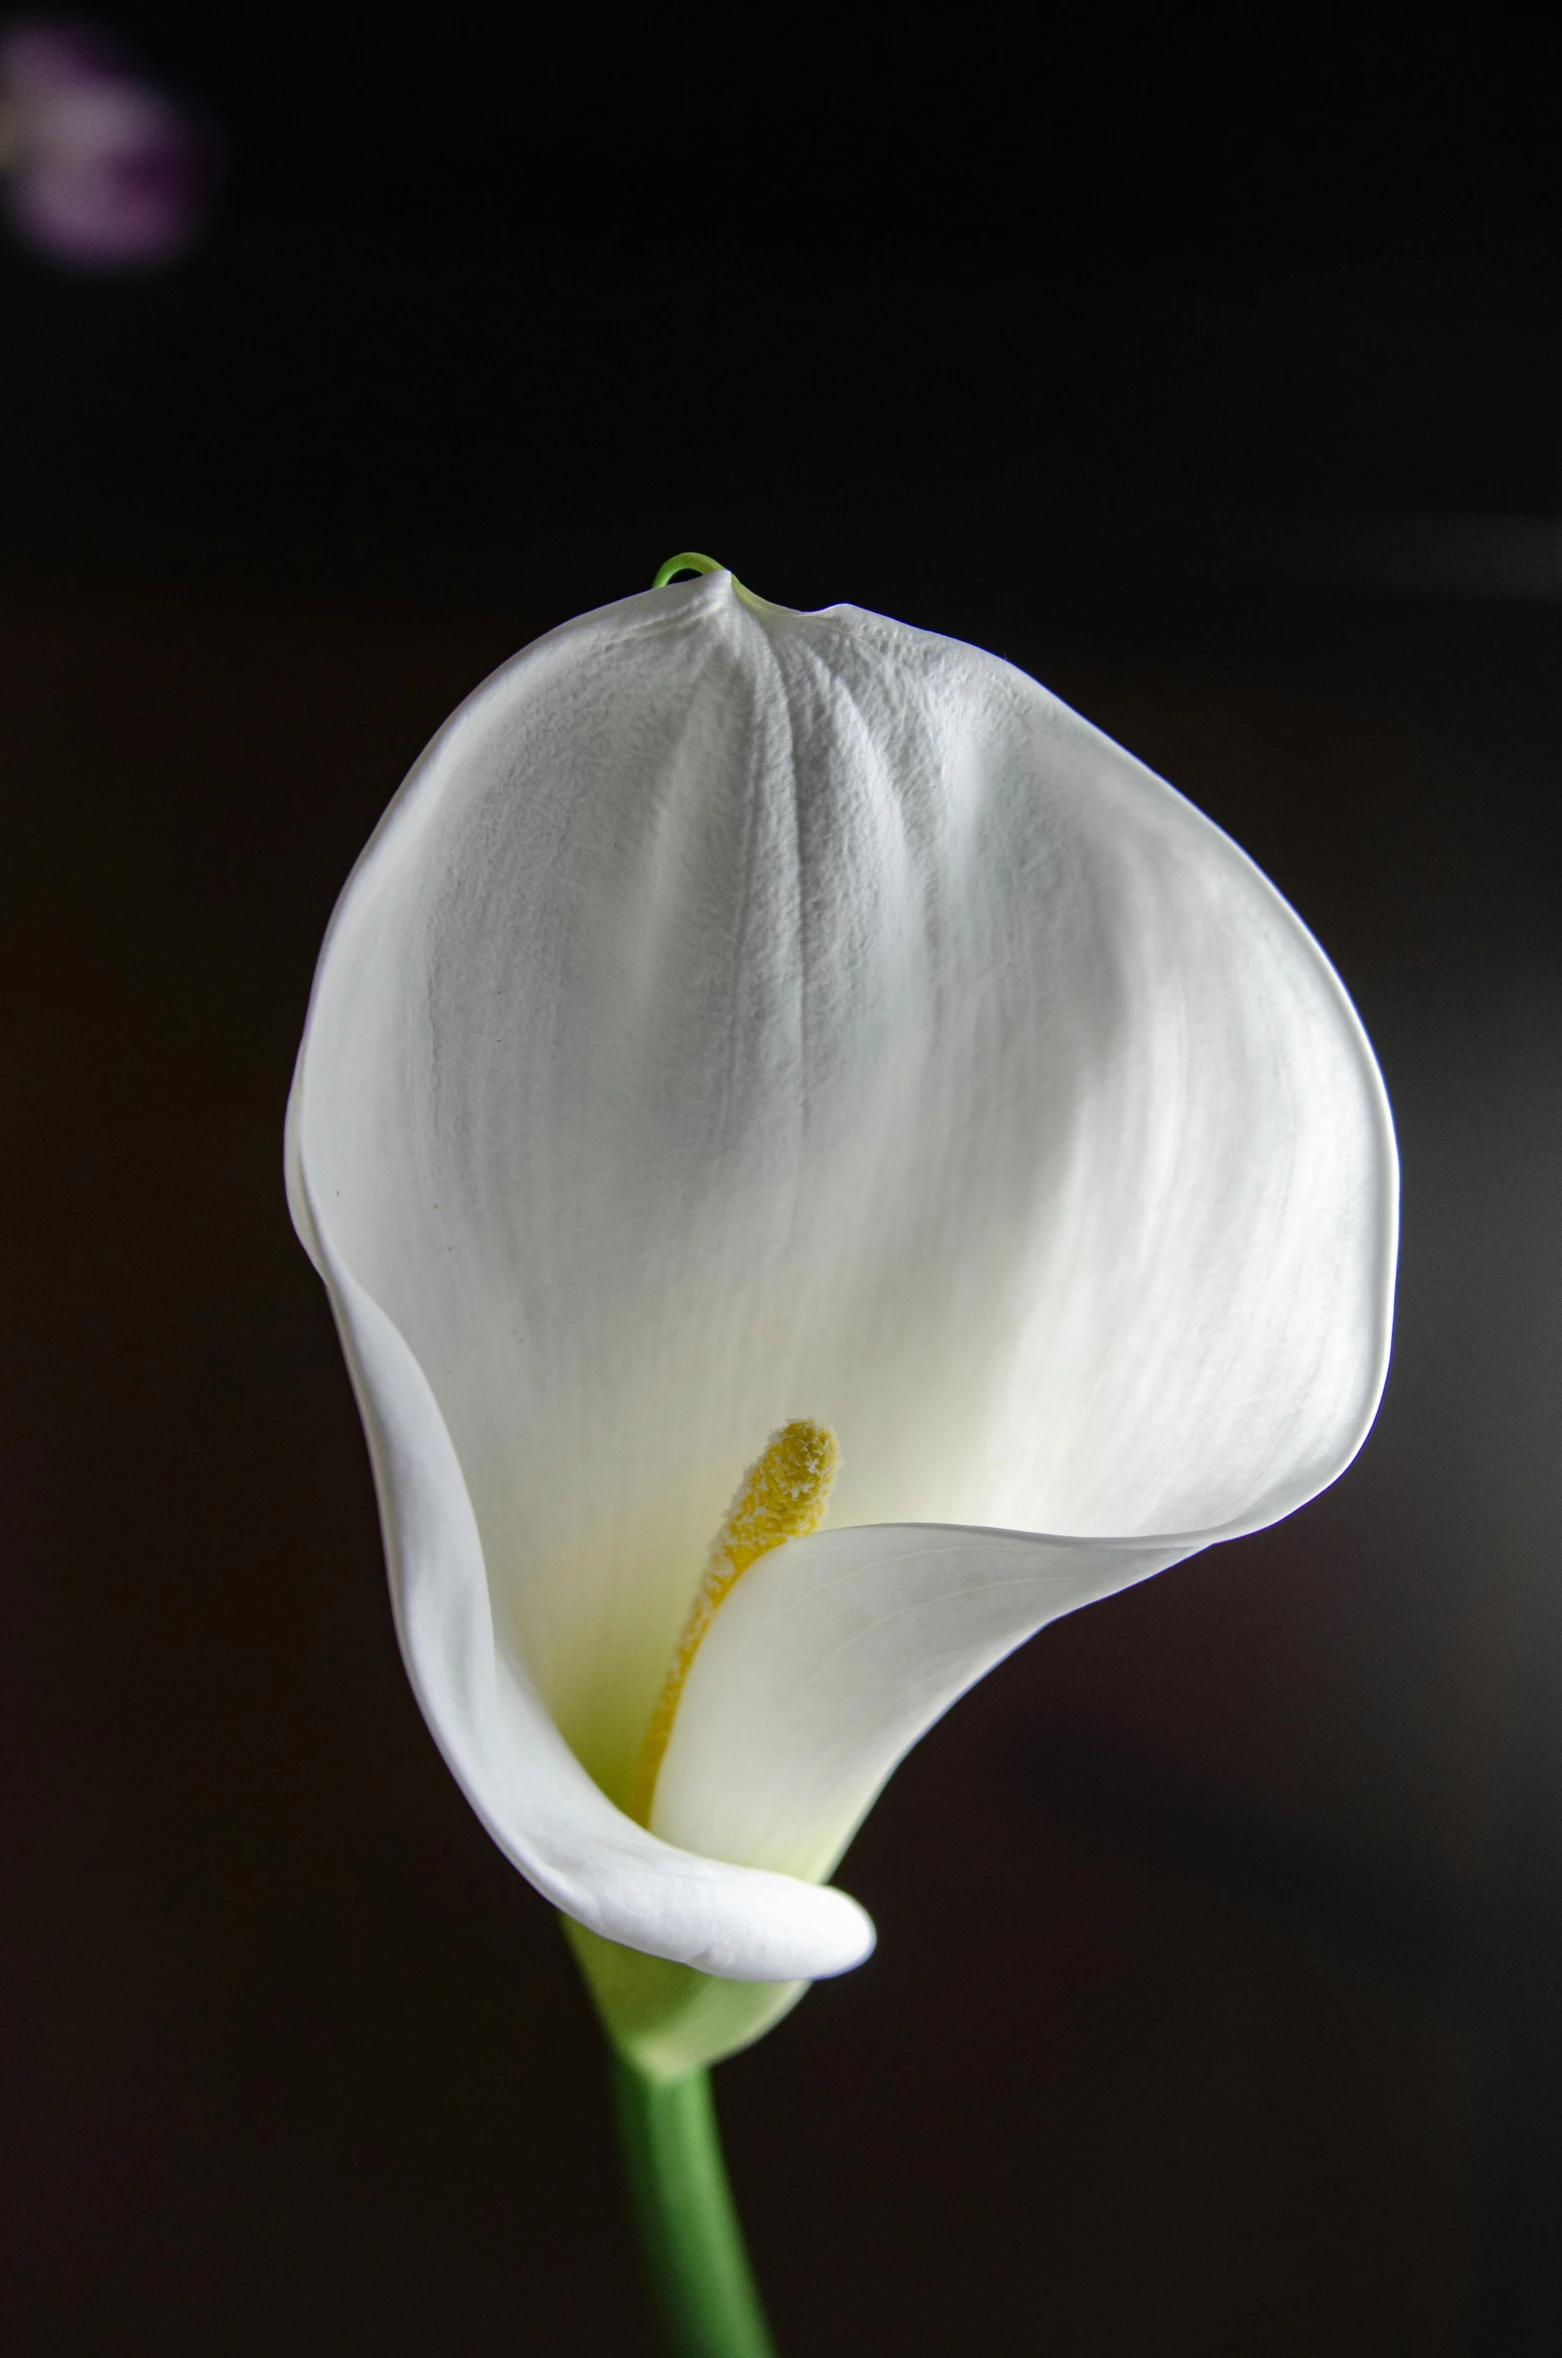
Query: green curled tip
point(690, 561)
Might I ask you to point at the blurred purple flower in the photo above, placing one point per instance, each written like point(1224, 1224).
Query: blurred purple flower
point(106, 171)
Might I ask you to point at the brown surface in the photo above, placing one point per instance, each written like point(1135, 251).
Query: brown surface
point(296, 2062)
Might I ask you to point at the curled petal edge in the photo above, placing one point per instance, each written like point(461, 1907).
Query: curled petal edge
point(835, 1654)
point(530, 1792)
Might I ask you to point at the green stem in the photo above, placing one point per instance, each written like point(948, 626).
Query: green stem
point(683, 2208)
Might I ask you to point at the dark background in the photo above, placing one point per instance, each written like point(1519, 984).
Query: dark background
point(1213, 372)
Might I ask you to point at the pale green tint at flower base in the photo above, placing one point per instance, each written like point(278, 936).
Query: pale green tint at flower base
point(671, 2019)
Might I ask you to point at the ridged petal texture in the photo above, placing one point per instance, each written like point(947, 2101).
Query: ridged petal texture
point(741, 1015)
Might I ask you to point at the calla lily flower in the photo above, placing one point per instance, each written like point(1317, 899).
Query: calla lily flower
point(749, 1023)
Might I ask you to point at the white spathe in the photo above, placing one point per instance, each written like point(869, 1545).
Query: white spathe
point(742, 1014)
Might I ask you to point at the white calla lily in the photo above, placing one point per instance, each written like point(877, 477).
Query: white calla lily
point(743, 1015)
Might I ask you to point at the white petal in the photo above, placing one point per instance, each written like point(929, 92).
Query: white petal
point(743, 1014)
point(514, 1767)
point(834, 1654)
